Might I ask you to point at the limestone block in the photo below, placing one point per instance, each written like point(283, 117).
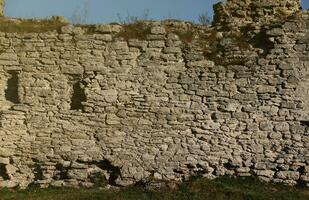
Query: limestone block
point(266, 126)
point(243, 170)
point(4, 161)
point(112, 119)
point(137, 43)
point(288, 175)
point(110, 95)
point(144, 122)
point(210, 125)
point(58, 183)
point(78, 174)
point(8, 56)
point(156, 44)
point(265, 173)
point(6, 152)
point(266, 89)
point(282, 127)
point(245, 97)
point(172, 50)
point(105, 37)
point(120, 45)
point(9, 63)
point(275, 32)
point(158, 30)
point(107, 28)
point(232, 107)
point(275, 135)
point(70, 69)
point(202, 63)
point(94, 66)
point(9, 184)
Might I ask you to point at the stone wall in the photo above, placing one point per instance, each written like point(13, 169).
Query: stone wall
point(81, 107)
point(238, 13)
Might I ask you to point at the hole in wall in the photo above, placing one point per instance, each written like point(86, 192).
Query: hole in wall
point(228, 166)
point(301, 170)
point(178, 171)
point(78, 95)
point(11, 92)
point(304, 123)
point(213, 116)
point(62, 172)
point(3, 172)
point(38, 172)
point(114, 171)
point(300, 182)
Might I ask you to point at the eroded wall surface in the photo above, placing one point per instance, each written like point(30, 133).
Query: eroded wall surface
point(80, 108)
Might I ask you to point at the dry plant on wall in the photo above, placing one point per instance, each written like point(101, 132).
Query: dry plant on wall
point(204, 18)
point(131, 19)
point(80, 15)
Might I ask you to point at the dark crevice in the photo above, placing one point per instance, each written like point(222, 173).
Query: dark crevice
point(213, 116)
point(11, 92)
point(106, 165)
point(200, 76)
point(190, 166)
point(78, 96)
point(63, 172)
point(3, 172)
point(304, 123)
point(228, 166)
point(285, 149)
point(38, 172)
point(111, 169)
point(301, 170)
point(261, 41)
point(178, 171)
point(200, 172)
point(300, 182)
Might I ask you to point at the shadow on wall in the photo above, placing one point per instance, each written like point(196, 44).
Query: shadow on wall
point(11, 92)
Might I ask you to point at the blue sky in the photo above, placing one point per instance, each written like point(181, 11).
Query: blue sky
point(105, 11)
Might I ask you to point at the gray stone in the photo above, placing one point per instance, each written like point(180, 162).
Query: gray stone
point(157, 30)
point(266, 126)
point(89, 104)
point(112, 119)
point(282, 127)
point(290, 175)
point(5, 161)
point(265, 173)
point(275, 32)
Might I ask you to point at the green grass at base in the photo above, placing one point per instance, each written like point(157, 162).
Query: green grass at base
point(224, 188)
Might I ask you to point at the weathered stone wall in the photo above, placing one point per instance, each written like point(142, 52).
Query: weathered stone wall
point(238, 13)
point(80, 108)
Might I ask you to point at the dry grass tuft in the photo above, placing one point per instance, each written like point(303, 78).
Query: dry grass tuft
point(30, 25)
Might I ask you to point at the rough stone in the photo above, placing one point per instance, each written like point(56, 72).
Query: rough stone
point(83, 106)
